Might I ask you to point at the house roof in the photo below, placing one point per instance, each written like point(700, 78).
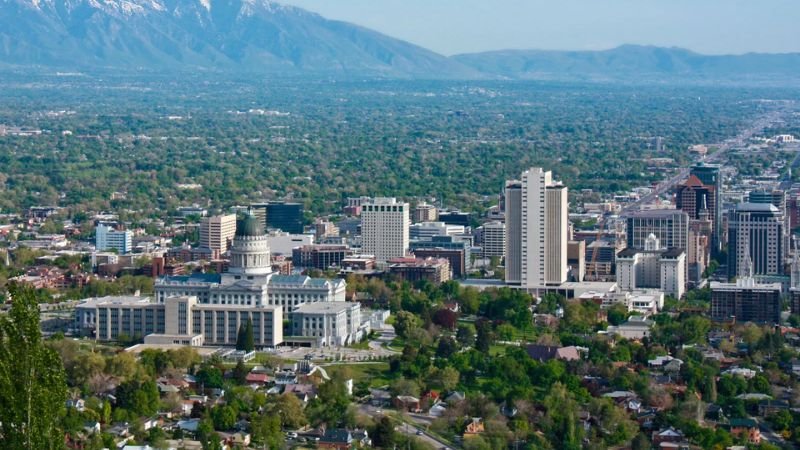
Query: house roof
point(337, 435)
point(743, 423)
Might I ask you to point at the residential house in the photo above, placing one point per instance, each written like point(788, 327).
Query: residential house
point(362, 438)
point(337, 439)
point(474, 428)
point(437, 410)
point(407, 403)
point(257, 379)
point(304, 392)
point(78, 404)
point(544, 353)
point(746, 429)
point(668, 435)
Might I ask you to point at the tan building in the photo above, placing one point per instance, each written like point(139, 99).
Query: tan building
point(217, 232)
point(536, 230)
point(424, 212)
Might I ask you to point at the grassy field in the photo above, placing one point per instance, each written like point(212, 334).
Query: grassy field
point(373, 373)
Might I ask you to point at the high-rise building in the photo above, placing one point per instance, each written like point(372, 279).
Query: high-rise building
point(556, 234)
point(325, 229)
point(494, 239)
point(217, 232)
point(384, 229)
point(286, 217)
point(424, 212)
point(756, 232)
point(282, 216)
point(107, 238)
point(693, 197)
point(670, 226)
point(709, 175)
point(774, 197)
point(536, 230)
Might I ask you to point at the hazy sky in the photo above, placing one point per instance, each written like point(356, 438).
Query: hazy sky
point(459, 26)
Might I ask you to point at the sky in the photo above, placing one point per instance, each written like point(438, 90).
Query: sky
point(464, 26)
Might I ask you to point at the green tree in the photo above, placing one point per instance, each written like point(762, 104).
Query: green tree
point(249, 344)
point(224, 417)
point(383, 435)
point(33, 385)
point(267, 430)
point(485, 336)
point(290, 410)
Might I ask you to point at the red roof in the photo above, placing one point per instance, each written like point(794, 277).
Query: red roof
point(693, 181)
point(257, 378)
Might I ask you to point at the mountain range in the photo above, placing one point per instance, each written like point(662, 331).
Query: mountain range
point(262, 36)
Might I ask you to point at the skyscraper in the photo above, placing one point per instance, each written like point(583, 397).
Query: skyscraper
point(536, 230)
point(217, 232)
point(384, 229)
point(755, 231)
point(670, 226)
point(709, 175)
point(285, 216)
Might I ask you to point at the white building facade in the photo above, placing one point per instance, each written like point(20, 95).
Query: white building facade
point(107, 238)
point(385, 229)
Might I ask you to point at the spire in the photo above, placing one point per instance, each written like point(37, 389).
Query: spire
point(795, 270)
point(746, 272)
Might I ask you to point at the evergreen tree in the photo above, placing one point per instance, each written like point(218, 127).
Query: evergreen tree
point(33, 386)
point(240, 337)
point(249, 343)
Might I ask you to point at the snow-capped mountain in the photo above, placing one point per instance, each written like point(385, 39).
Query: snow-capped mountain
point(252, 35)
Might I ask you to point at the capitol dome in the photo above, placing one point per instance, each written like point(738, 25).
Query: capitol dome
point(250, 253)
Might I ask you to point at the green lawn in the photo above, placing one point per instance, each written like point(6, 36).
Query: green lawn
point(376, 374)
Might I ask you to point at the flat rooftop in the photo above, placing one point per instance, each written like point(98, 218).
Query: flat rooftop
point(324, 307)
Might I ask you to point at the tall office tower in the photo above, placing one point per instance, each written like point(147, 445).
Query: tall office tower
point(384, 229)
point(536, 230)
point(217, 232)
point(793, 208)
point(556, 234)
point(670, 226)
point(773, 197)
point(424, 212)
point(693, 197)
point(709, 175)
point(107, 238)
point(259, 211)
point(494, 239)
point(286, 217)
point(755, 231)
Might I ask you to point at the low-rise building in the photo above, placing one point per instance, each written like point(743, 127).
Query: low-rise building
point(320, 256)
point(330, 324)
point(435, 270)
point(636, 328)
point(183, 321)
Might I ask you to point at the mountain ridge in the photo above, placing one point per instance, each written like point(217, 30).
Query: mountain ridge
point(264, 36)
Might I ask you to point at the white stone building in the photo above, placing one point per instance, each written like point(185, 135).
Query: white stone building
point(385, 229)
